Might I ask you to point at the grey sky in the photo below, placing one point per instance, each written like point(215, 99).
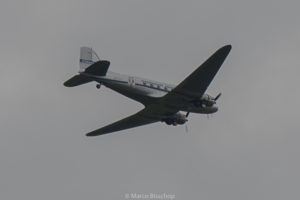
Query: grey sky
point(248, 150)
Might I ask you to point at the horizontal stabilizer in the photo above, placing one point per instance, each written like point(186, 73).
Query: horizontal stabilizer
point(77, 80)
point(98, 68)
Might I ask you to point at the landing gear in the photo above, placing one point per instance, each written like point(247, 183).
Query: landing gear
point(170, 122)
point(175, 119)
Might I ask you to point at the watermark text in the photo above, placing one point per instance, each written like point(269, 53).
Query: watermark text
point(159, 196)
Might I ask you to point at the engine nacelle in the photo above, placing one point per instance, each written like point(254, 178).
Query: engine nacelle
point(205, 101)
point(177, 118)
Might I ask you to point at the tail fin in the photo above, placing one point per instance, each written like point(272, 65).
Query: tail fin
point(87, 57)
point(90, 64)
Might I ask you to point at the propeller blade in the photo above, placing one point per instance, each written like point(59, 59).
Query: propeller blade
point(186, 128)
point(187, 114)
point(218, 96)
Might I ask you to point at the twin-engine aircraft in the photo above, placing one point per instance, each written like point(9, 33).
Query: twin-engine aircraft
point(163, 102)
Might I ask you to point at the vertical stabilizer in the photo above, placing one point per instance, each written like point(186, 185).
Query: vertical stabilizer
point(87, 57)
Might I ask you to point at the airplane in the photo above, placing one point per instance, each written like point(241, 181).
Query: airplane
point(162, 102)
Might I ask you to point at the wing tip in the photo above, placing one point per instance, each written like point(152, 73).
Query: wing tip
point(227, 47)
point(223, 51)
point(91, 134)
point(96, 133)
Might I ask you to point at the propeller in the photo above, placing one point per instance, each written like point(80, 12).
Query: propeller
point(217, 97)
point(187, 114)
point(186, 128)
point(209, 116)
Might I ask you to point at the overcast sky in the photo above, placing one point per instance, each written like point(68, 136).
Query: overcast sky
point(248, 150)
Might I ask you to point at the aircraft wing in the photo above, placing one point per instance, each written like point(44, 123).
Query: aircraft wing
point(146, 116)
point(195, 85)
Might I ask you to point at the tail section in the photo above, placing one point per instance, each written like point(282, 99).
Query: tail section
point(87, 57)
point(98, 68)
point(77, 80)
point(90, 65)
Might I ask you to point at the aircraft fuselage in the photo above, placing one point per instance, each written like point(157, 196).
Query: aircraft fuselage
point(148, 92)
